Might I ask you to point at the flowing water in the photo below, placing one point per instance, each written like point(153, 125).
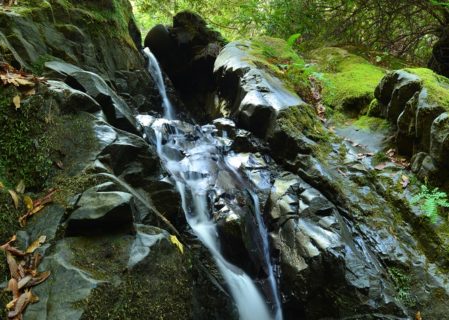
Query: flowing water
point(203, 173)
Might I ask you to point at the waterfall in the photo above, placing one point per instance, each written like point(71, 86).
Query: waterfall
point(196, 162)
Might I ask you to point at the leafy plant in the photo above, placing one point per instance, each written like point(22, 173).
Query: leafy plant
point(431, 200)
point(292, 39)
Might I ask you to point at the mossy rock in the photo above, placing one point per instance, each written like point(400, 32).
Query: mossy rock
point(437, 86)
point(348, 80)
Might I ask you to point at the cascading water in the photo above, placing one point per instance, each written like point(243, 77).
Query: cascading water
point(195, 160)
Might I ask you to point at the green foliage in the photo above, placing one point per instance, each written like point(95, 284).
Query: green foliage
point(431, 200)
point(292, 39)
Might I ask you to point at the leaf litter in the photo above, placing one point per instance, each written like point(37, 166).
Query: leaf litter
point(24, 275)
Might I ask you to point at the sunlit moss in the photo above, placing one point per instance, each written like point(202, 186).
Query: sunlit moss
point(437, 86)
point(350, 80)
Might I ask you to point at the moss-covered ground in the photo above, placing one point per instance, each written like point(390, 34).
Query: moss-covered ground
point(348, 80)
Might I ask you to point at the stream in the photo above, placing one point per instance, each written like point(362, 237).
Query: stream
point(206, 175)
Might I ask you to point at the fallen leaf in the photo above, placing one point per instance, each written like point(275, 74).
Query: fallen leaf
point(24, 281)
point(11, 304)
point(21, 304)
point(20, 188)
point(28, 202)
point(34, 281)
point(1, 185)
point(15, 198)
point(418, 316)
point(13, 266)
point(175, 241)
point(36, 244)
point(13, 286)
point(16, 101)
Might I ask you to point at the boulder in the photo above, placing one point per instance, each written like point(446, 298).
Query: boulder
point(439, 60)
point(439, 140)
point(254, 97)
point(315, 253)
point(186, 52)
point(101, 212)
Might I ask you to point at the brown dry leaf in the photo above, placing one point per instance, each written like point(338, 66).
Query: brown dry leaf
point(13, 266)
point(15, 198)
point(16, 101)
point(21, 304)
point(13, 286)
point(24, 281)
point(36, 244)
point(418, 316)
point(37, 279)
point(20, 188)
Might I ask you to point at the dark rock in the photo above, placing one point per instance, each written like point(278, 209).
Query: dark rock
point(439, 140)
point(102, 212)
point(65, 32)
point(316, 253)
point(74, 100)
point(254, 97)
point(187, 52)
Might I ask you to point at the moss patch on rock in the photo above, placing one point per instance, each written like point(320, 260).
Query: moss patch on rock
point(348, 80)
point(278, 58)
point(367, 123)
point(437, 86)
point(159, 287)
point(24, 147)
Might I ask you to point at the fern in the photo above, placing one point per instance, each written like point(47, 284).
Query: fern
point(431, 201)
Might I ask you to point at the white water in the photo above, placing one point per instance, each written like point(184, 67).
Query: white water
point(194, 165)
point(155, 71)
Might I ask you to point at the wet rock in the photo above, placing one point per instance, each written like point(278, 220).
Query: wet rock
point(72, 99)
point(187, 52)
point(117, 112)
point(254, 96)
point(315, 252)
point(102, 212)
point(414, 102)
point(439, 140)
point(48, 34)
point(395, 90)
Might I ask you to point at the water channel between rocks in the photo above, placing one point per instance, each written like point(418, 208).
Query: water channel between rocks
point(206, 175)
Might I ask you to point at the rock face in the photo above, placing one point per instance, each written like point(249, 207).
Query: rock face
point(416, 102)
point(253, 96)
point(187, 52)
point(66, 31)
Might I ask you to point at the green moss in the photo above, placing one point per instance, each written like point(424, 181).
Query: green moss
point(71, 186)
point(367, 123)
point(350, 80)
point(159, 287)
point(402, 282)
point(437, 86)
point(39, 65)
point(279, 59)
point(24, 148)
point(302, 121)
